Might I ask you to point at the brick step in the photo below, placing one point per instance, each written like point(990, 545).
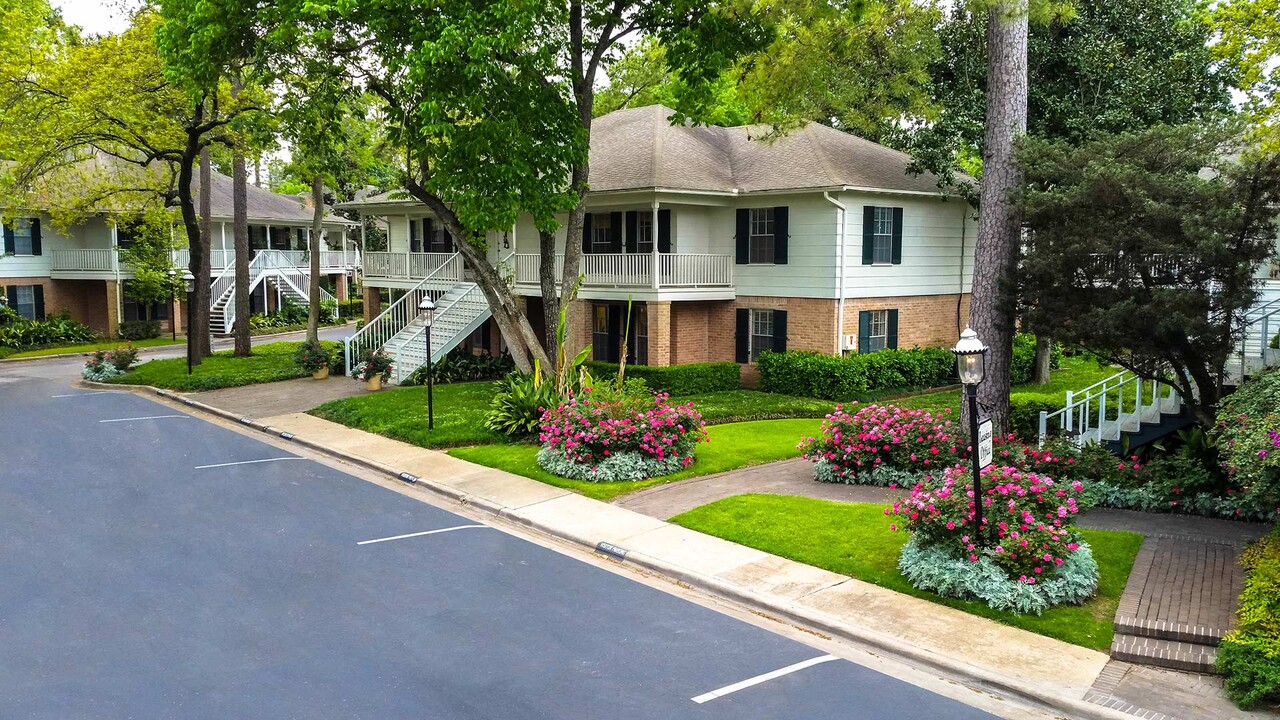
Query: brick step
point(1165, 630)
point(1188, 657)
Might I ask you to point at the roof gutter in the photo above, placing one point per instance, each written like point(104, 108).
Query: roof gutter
point(842, 254)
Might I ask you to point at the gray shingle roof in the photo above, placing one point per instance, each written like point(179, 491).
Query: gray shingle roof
point(263, 205)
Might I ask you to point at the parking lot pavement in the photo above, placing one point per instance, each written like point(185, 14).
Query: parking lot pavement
point(159, 566)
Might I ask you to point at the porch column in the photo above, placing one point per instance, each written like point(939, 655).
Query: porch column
point(660, 351)
point(114, 304)
point(657, 257)
point(372, 303)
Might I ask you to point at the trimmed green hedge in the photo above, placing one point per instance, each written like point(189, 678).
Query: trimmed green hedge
point(1250, 655)
point(352, 308)
point(1024, 358)
point(812, 374)
point(692, 379)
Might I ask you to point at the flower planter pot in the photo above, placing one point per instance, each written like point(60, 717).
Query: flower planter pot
point(374, 383)
point(320, 374)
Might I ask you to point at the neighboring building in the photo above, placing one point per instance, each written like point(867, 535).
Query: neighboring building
point(728, 246)
point(44, 272)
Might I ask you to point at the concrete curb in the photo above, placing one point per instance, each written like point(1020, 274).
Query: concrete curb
point(970, 674)
point(154, 348)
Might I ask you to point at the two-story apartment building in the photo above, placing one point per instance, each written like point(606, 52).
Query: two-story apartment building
point(728, 244)
point(45, 271)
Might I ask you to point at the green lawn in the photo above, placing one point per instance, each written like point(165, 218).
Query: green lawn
point(87, 347)
point(401, 414)
point(854, 539)
point(269, 363)
point(731, 446)
point(1076, 373)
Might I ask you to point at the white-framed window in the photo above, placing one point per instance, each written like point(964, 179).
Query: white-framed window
point(644, 233)
point(26, 296)
point(22, 237)
point(878, 331)
point(640, 351)
point(761, 332)
point(601, 232)
point(882, 236)
point(761, 236)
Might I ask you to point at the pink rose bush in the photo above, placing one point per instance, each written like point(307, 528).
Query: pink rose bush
point(1032, 557)
point(605, 437)
point(857, 448)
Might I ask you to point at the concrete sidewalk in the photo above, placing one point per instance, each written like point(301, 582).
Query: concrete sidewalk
point(979, 651)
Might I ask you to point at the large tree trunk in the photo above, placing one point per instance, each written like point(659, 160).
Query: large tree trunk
point(1043, 364)
point(240, 221)
point(999, 227)
point(317, 227)
point(198, 264)
point(203, 280)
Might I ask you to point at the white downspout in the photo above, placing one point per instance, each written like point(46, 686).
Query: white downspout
point(656, 257)
point(840, 271)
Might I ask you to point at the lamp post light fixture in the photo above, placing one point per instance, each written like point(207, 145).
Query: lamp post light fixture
point(971, 360)
point(348, 273)
point(173, 303)
point(428, 310)
point(189, 284)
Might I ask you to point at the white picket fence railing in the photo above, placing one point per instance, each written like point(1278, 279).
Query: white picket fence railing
point(400, 313)
point(1103, 411)
point(652, 270)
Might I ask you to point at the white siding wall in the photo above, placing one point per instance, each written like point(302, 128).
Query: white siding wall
point(397, 234)
point(93, 233)
point(811, 250)
point(936, 237)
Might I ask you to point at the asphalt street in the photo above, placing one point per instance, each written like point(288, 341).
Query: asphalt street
point(156, 565)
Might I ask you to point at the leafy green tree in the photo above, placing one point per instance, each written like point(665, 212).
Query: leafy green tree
point(641, 78)
point(150, 255)
point(1140, 256)
point(1249, 41)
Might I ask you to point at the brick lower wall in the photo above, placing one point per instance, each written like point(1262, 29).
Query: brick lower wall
point(924, 320)
point(87, 301)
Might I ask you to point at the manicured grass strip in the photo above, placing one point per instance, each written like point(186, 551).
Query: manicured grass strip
point(268, 363)
point(401, 414)
point(854, 539)
point(731, 406)
point(90, 347)
point(732, 446)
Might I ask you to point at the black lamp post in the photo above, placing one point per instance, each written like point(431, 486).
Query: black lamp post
point(190, 286)
point(971, 357)
point(428, 310)
point(173, 303)
point(346, 286)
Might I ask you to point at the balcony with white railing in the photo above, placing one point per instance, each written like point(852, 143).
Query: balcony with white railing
point(638, 273)
point(104, 262)
point(403, 265)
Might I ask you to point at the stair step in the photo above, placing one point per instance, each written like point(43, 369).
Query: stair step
point(1164, 630)
point(1188, 657)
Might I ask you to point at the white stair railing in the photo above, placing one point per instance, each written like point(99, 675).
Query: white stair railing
point(400, 313)
point(404, 370)
point(1257, 321)
point(297, 279)
point(225, 283)
point(1106, 409)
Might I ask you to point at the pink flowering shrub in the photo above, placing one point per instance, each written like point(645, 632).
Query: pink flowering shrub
point(590, 430)
point(1028, 519)
point(881, 436)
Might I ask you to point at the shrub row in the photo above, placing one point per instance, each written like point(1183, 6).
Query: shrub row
point(1024, 358)
point(812, 374)
point(140, 329)
point(678, 380)
point(18, 332)
point(352, 308)
point(1250, 655)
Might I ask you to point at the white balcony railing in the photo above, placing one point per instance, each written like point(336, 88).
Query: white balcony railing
point(97, 260)
point(104, 259)
point(673, 270)
point(405, 266)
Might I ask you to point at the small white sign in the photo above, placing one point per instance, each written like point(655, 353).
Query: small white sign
point(985, 449)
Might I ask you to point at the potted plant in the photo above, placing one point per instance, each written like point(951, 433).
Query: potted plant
point(314, 358)
point(374, 369)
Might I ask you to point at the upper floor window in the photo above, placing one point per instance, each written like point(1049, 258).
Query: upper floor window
point(601, 232)
point(761, 237)
point(23, 243)
point(882, 236)
point(644, 233)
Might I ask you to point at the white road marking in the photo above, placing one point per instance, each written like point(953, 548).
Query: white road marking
point(147, 417)
point(762, 678)
point(420, 534)
point(95, 392)
point(248, 462)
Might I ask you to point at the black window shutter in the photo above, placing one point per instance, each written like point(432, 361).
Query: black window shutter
point(780, 235)
point(744, 239)
point(615, 333)
point(779, 330)
point(891, 342)
point(633, 231)
point(11, 292)
point(864, 331)
point(38, 291)
point(897, 236)
point(586, 233)
point(615, 232)
point(868, 237)
point(664, 231)
point(9, 247)
point(448, 239)
point(743, 349)
point(428, 236)
point(35, 236)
